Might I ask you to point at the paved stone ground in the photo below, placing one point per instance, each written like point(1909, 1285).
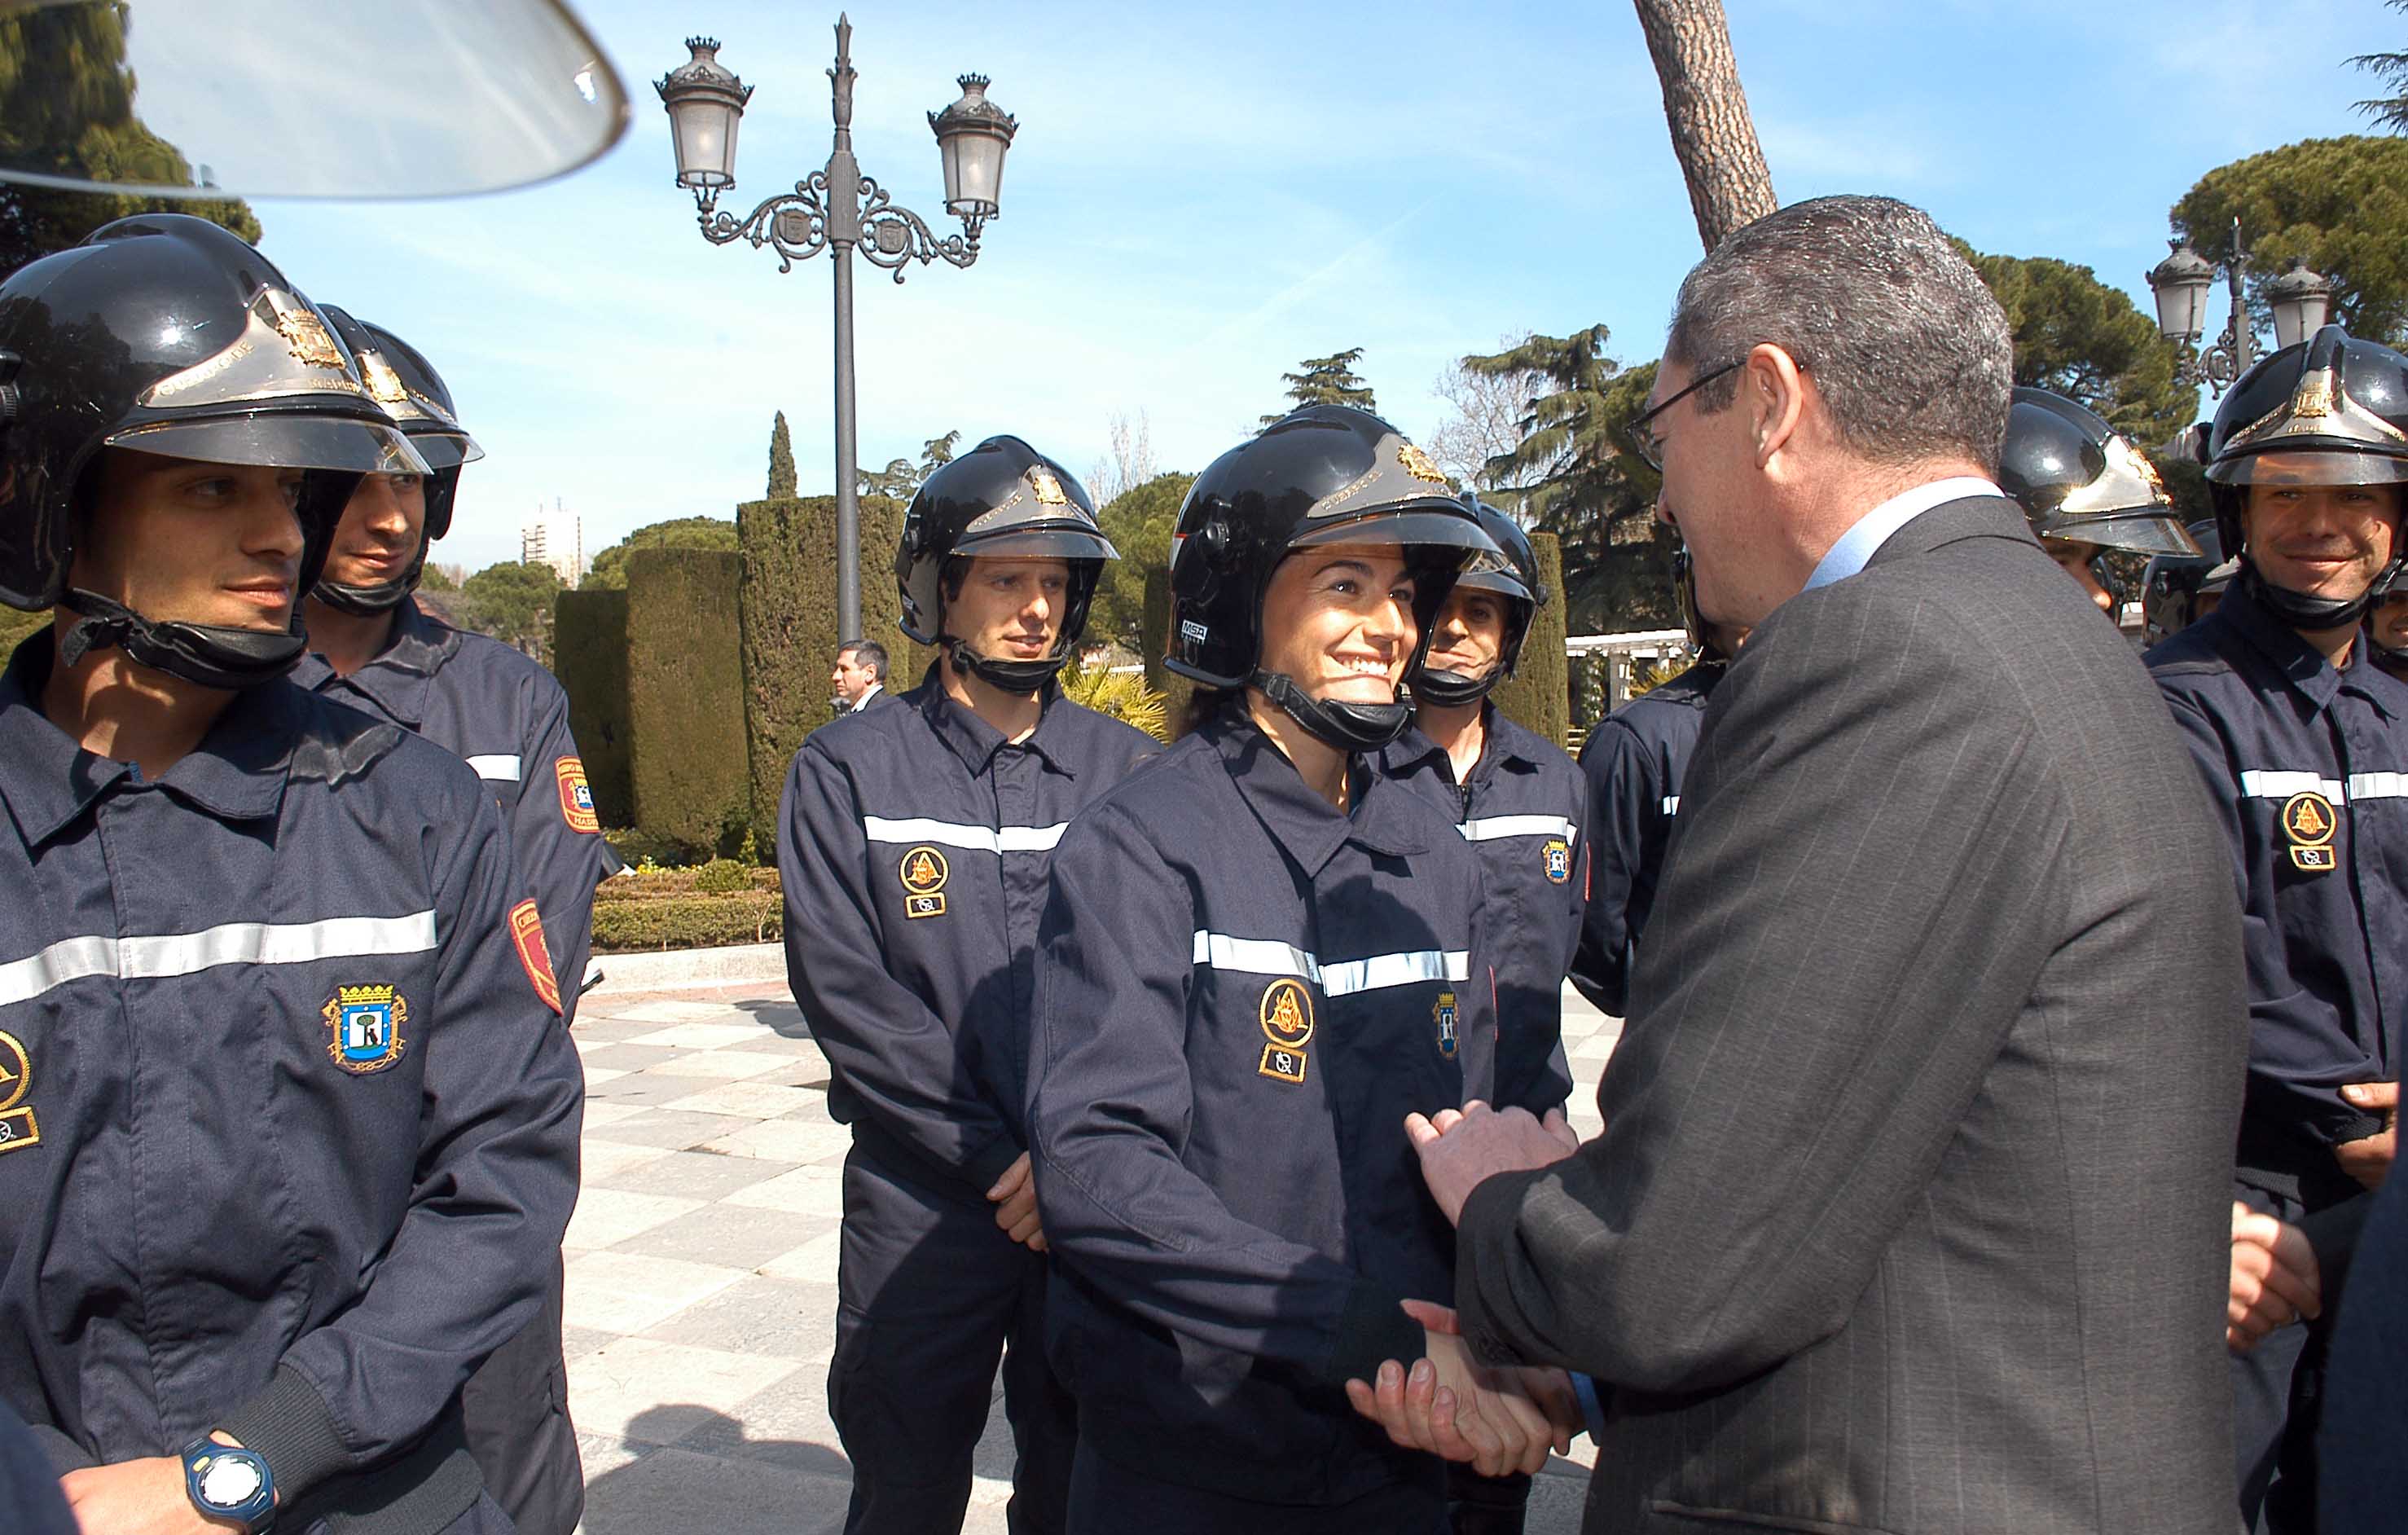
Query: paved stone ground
point(702, 1263)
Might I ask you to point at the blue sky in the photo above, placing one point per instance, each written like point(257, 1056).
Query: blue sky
point(1201, 197)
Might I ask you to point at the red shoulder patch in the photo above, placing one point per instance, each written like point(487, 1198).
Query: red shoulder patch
point(526, 937)
point(576, 795)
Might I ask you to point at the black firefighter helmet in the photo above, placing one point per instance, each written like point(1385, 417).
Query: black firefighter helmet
point(1512, 574)
point(1324, 474)
point(1002, 499)
point(2080, 480)
point(2331, 411)
point(2169, 584)
point(413, 393)
point(163, 334)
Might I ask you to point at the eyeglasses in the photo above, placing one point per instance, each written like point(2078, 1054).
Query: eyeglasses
point(1643, 433)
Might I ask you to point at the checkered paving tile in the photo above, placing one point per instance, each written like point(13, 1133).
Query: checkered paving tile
point(702, 1263)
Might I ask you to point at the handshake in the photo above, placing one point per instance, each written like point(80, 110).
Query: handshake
point(1497, 1418)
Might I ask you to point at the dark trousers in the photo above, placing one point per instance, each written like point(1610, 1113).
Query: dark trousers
point(2277, 1399)
point(1485, 1505)
point(515, 1408)
point(929, 1294)
point(1109, 1498)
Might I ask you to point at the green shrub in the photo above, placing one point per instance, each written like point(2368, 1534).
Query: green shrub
point(1120, 695)
point(790, 627)
point(685, 695)
point(589, 655)
point(686, 921)
point(723, 877)
point(1538, 696)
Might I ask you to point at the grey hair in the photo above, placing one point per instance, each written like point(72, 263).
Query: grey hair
point(1904, 341)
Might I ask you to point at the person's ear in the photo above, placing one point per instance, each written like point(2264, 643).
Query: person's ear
point(1773, 388)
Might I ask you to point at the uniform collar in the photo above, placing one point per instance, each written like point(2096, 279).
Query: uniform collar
point(237, 773)
point(2302, 665)
point(1507, 748)
point(1300, 820)
point(397, 679)
point(975, 741)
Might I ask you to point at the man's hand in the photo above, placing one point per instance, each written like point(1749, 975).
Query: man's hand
point(1460, 1150)
point(2368, 1159)
point(137, 1498)
point(1015, 1197)
point(2274, 1278)
point(1497, 1420)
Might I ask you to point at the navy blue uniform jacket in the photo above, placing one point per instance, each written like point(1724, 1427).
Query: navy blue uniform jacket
point(505, 714)
point(1523, 811)
point(289, 1138)
point(2268, 720)
point(1240, 995)
point(913, 844)
point(1634, 762)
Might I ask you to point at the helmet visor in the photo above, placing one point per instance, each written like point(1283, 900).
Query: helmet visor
point(280, 441)
point(445, 450)
point(2311, 468)
point(1065, 541)
point(2139, 533)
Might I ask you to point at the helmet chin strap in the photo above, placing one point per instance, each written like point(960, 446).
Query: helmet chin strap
point(1452, 689)
point(2301, 612)
point(382, 597)
point(207, 654)
point(1349, 727)
point(1017, 676)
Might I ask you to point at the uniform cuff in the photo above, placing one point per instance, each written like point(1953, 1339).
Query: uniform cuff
point(1373, 1328)
point(288, 1424)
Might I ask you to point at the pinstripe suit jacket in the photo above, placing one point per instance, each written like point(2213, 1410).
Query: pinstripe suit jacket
point(1911, 1212)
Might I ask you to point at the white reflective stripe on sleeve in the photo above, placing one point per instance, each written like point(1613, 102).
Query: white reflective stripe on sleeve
point(502, 770)
point(978, 838)
point(1497, 826)
point(1269, 957)
point(1381, 971)
point(155, 956)
point(1253, 955)
point(2378, 786)
point(1671, 804)
point(2261, 783)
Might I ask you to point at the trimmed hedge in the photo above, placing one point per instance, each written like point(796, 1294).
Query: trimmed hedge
point(687, 922)
point(1538, 695)
point(790, 626)
point(685, 695)
point(589, 655)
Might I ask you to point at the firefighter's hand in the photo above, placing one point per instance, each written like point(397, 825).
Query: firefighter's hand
point(2368, 1159)
point(1015, 1200)
point(137, 1498)
point(2274, 1278)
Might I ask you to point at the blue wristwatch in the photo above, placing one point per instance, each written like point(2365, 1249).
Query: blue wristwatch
point(226, 1482)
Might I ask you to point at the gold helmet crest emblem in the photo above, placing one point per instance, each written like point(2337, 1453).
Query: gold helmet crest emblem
point(1419, 464)
point(305, 333)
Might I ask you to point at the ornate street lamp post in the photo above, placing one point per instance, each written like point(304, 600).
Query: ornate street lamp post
point(2300, 299)
point(837, 210)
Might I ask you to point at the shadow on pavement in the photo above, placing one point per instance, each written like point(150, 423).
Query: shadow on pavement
point(713, 1479)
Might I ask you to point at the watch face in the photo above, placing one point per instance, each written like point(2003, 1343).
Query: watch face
point(230, 1482)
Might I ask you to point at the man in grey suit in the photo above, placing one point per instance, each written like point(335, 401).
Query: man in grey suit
point(1911, 1212)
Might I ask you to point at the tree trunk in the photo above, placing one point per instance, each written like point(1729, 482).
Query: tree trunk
point(1711, 133)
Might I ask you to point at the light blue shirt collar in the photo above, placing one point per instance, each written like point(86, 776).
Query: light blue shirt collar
point(1856, 546)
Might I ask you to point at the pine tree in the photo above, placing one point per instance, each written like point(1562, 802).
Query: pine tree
point(782, 461)
point(1327, 380)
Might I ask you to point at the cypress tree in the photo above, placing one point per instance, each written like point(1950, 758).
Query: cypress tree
point(782, 461)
